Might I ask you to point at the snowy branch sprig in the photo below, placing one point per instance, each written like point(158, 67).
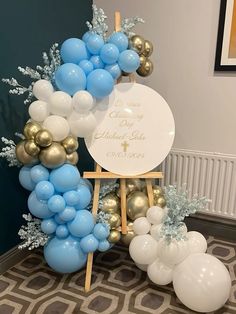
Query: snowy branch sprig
point(128, 24)
point(98, 24)
point(8, 152)
point(103, 217)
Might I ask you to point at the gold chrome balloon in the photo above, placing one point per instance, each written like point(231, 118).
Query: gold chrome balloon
point(148, 48)
point(157, 191)
point(145, 69)
point(136, 43)
point(70, 144)
point(110, 204)
point(72, 158)
point(23, 156)
point(43, 138)
point(137, 205)
point(53, 156)
point(114, 221)
point(142, 59)
point(31, 148)
point(126, 238)
point(131, 186)
point(31, 129)
point(114, 236)
point(160, 201)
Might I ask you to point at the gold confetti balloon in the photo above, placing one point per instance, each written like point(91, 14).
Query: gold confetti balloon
point(136, 43)
point(148, 48)
point(23, 156)
point(114, 236)
point(127, 238)
point(43, 138)
point(72, 158)
point(160, 201)
point(145, 69)
point(31, 148)
point(111, 204)
point(137, 205)
point(114, 221)
point(53, 156)
point(31, 129)
point(70, 144)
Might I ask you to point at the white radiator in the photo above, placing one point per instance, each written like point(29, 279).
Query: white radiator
point(206, 174)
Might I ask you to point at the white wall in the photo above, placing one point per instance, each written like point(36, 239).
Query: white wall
point(184, 35)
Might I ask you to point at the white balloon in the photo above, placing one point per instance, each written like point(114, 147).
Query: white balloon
point(183, 229)
point(58, 126)
point(82, 125)
point(143, 249)
point(38, 110)
point(197, 242)
point(143, 267)
point(155, 215)
point(160, 273)
point(82, 101)
point(155, 231)
point(202, 282)
point(141, 226)
point(174, 252)
point(60, 103)
point(42, 89)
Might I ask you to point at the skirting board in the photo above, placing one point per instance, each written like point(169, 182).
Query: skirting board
point(12, 257)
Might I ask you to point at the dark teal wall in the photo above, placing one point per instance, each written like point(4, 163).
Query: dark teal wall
point(27, 28)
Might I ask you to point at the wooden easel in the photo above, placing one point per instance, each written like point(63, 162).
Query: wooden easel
point(98, 175)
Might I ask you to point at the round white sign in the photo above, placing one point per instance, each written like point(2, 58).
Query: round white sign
point(135, 130)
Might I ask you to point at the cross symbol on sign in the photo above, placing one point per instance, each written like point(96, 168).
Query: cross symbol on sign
point(125, 146)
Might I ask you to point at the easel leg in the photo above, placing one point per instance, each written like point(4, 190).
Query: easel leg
point(123, 206)
point(150, 192)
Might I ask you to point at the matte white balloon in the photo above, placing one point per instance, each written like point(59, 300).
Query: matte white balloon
point(173, 252)
point(155, 215)
point(160, 273)
point(60, 103)
point(202, 282)
point(197, 242)
point(83, 101)
point(143, 267)
point(141, 226)
point(38, 110)
point(82, 125)
point(58, 126)
point(143, 249)
point(155, 231)
point(42, 89)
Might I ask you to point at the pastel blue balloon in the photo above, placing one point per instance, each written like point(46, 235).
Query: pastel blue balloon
point(109, 53)
point(48, 226)
point(73, 50)
point(62, 231)
point(86, 36)
point(56, 203)
point(67, 214)
point(120, 40)
point(71, 198)
point(64, 255)
point(89, 244)
point(97, 62)
point(38, 208)
point(129, 61)
point(100, 83)
point(85, 181)
point(44, 190)
point(70, 78)
point(101, 231)
point(86, 66)
point(84, 196)
point(104, 246)
point(94, 43)
point(58, 220)
point(65, 178)
point(39, 173)
point(25, 178)
point(82, 224)
point(114, 70)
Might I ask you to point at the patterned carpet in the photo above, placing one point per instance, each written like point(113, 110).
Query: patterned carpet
point(118, 287)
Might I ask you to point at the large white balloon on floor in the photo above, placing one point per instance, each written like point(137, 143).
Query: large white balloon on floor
point(202, 282)
point(197, 242)
point(160, 273)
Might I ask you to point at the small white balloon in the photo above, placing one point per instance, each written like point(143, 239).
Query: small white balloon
point(38, 110)
point(159, 273)
point(197, 242)
point(82, 125)
point(174, 252)
point(143, 249)
point(58, 126)
point(60, 104)
point(155, 215)
point(42, 90)
point(143, 267)
point(141, 226)
point(83, 101)
point(155, 231)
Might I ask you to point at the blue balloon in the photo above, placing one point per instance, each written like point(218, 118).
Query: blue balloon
point(86, 36)
point(129, 61)
point(62, 231)
point(38, 208)
point(101, 231)
point(48, 226)
point(89, 244)
point(109, 53)
point(73, 50)
point(56, 203)
point(70, 78)
point(65, 178)
point(44, 190)
point(82, 224)
point(85, 181)
point(72, 198)
point(39, 173)
point(94, 43)
point(67, 214)
point(114, 70)
point(120, 40)
point(86, 66)
point(64, 255)
point(97, 62)
point(84, 196)
point(25, 178)
point(100, 83)
point(104, 246)
point(58, 220)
